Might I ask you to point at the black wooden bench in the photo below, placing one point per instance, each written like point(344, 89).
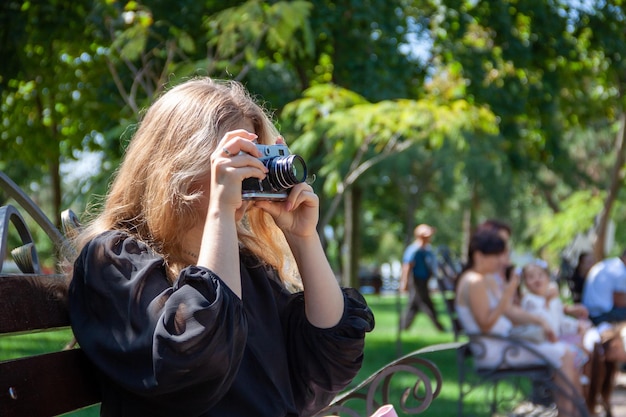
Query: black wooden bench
point(30, 301)
point(58, 382)
point(47, 384)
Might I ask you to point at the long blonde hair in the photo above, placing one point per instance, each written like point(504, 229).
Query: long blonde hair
point(156, 192)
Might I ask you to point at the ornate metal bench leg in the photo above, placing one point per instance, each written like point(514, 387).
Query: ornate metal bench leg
point(460, 366)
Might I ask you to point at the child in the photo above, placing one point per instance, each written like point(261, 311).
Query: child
point(542, 298)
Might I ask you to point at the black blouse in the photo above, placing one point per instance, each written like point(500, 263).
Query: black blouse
point(195, 349)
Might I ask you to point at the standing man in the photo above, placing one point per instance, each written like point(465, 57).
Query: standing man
point(604, 291)
point(419, 263)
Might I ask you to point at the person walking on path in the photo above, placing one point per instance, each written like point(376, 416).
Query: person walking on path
point(419, 263)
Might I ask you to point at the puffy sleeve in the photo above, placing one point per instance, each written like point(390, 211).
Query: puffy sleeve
point(149, 336)
point(324, 361)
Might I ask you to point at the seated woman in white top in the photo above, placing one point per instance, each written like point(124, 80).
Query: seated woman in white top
point(482, 308)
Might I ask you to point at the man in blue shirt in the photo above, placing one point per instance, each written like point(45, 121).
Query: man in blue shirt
point(419, 264)
point(604, 291)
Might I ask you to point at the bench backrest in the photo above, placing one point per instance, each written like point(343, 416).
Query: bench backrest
point(45, 384)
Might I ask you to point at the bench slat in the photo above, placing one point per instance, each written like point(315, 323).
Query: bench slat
point(47, 385)
point(32, 302)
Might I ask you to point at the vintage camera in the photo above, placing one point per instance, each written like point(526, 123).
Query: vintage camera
point(284, 171)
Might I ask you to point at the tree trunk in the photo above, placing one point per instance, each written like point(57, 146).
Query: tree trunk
point(350, 249)
point(357, 197)
point(474, 206)
point(617, 177)
point(469, 221)
point(467, 230)
point(55, 176)
point(409, 221)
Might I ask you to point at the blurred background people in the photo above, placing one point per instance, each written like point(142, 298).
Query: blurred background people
point(604, 290)
point(577, 280)
point(483, 307)
point(419, 264)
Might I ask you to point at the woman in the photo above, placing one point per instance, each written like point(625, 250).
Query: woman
point(483, 308)
point(183, 294)
point(577, 280)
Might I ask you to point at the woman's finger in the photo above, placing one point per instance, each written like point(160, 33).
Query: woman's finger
point(299, 194)
point(237, 141)
point(273, 208)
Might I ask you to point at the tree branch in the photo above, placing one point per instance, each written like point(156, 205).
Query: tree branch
point(393, 147)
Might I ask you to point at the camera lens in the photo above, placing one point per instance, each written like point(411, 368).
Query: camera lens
point(285, 172)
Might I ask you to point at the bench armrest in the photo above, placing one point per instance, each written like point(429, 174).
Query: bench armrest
point(376, 390)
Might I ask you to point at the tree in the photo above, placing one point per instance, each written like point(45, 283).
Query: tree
point(534, 64)
point(602, 28)
point(484, 123)
point(69, 56)
point(48, 89)
point(356, 135)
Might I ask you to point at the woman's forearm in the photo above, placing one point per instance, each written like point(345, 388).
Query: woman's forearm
point(492, 317)
point(520, 316)
point(324, 303)
point(219, 250)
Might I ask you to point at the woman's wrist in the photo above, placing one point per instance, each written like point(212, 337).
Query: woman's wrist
point(296, 241)
point(217, 212)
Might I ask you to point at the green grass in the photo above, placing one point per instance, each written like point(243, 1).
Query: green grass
point(385, 344)
point(382, 345)
point(12, 347)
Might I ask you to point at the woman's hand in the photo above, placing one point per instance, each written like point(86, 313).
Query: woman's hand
point(510, 289)
point(552, 292)
point(584, 325)
point(298, 215)
point(577, 310)
point(548, 331)
point(234, 159)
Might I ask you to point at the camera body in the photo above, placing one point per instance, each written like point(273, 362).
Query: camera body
point(284, 171)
